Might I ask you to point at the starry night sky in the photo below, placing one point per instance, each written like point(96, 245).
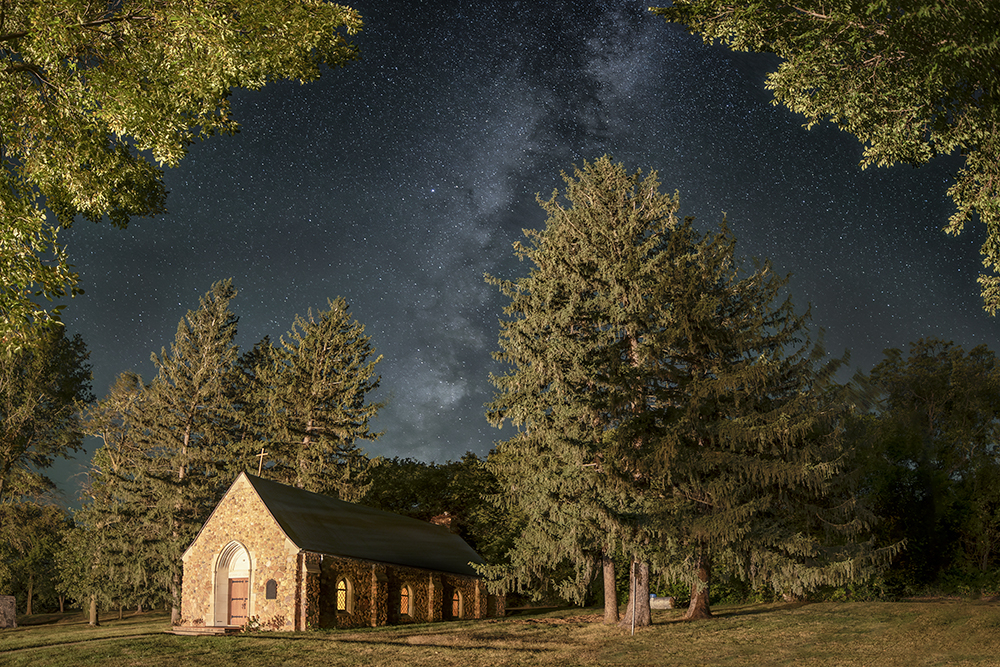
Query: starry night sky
point(398, 181)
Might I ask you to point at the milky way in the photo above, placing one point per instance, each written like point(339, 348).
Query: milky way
point(398, 181)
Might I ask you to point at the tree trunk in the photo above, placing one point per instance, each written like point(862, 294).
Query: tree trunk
point(31, 594)
point(175, 596)
point(94, 620)
point(638, 597)
point(121, 611)
point(62, 604)
point(300, 482)
point(610, 590)
point(699, 607)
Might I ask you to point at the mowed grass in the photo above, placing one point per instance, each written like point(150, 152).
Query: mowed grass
point(938, 632)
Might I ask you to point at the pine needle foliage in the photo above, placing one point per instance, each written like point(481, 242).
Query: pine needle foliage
point(109, 556)
point(748, 464)
point(172, 447)
point(311, 398)
point(568, 342)
point(670, 407)
point(180, 443)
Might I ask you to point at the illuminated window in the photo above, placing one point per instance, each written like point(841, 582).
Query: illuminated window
point(456, 605)
point(404, 601)
point(345, 596)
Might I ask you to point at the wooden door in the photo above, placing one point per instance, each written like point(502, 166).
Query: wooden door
point(239, 596)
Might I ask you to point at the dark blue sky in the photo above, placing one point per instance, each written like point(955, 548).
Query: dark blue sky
point(398, 181)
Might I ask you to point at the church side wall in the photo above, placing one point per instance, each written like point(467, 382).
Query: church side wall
point(376, 594)
point(242, 517)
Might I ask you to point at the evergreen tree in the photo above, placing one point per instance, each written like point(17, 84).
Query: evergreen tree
point(668, 410)
point(310, 398)
point(111, 553)
point(570, 341)
point(184, 432)
point(748, 466)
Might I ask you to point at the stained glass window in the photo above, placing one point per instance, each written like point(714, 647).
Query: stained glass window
point(342, 594)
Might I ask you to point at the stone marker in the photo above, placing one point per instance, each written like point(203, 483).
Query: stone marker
point(8, 612)
point(661, 603)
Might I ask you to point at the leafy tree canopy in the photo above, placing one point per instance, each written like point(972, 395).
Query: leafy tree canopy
point(42, 388)
point(30, 537)
point(911, 79)
point(461, 493)
point(96, 96)
point(932, 470)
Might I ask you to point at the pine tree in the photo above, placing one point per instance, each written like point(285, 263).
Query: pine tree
point(669, 411)
point(185, 432)
point(570, 339)
point(747, 463)
point(111, 554)
point(311, 397)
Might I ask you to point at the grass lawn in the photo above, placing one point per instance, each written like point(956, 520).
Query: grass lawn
point(904, 634)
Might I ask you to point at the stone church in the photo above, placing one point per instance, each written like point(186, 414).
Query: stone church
point(289, 559)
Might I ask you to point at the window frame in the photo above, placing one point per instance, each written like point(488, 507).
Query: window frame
point(348, 591)
point(406, 594)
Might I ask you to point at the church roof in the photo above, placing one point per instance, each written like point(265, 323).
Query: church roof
point(323, 524)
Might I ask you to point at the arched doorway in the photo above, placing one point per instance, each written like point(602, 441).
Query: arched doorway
point(232, 585)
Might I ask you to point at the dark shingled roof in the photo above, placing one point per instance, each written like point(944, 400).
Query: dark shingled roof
point(322, 524)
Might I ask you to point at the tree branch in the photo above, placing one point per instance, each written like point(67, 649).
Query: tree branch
point(814, 14)
point(96, 23)
point(34, 70)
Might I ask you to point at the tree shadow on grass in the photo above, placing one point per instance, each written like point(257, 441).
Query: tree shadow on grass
point(727, 612)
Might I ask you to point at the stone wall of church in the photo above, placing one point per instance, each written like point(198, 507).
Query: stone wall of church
point(305, 584)
point(375, 595)
point(242, 517)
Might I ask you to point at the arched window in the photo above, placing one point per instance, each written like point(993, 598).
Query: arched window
point(345, 596)
point(405, 601)
point(456, 605)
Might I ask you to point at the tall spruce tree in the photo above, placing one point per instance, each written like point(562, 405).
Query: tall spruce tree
point(668, 410)
point(311, 402)
point(746, 469)
point(112, 555)
point(185, 430)
point(570, 341)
